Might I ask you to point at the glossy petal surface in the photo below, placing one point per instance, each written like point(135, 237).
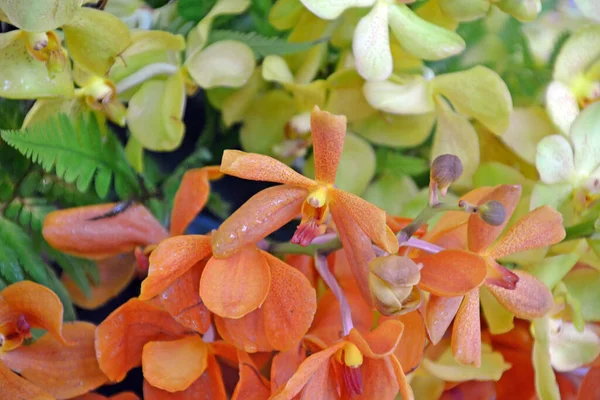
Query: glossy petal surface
point(451, 272)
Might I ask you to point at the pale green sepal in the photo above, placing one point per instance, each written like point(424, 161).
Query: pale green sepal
point(235, 105)
point(395, 130)
point(523, 10)
point(562, 105)
point(563, 296)
point(331, 9)
point(498, 318)
point(390, 193)
point(285, 14)
point(371, 45)
point(412, 97)
point(553, 195)
point(554, 160)
point(465, 10)
point(495, 173)
point(577, 54)
point(526, 128)
point(553, 269)
point(134, 153)
point(545, 380)
point(585, 135)
point(44, 109)
point(583, 285)
point(39, 15)
point(275, 69)
point(589, 8)
point(570, 349)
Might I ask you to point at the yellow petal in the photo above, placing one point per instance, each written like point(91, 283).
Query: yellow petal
point(527, 127)
point(562, 105)
point(395, 130)
point(330, 9)
point(275, 69)
point(39, 15)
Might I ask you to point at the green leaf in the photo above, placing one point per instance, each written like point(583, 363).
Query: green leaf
point(29, 212)
point(12, 113)
point(80, 151)
point(218, 206)
point(583, 285)
point(262, 45)
point(398, 164)
point(79, 269)
point(194, 10)
point(57, 287)
point(545, 380)
point(10, 268)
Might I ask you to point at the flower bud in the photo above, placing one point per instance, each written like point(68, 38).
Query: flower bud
point(493, 212)
point(392, 283)
point(445, 170)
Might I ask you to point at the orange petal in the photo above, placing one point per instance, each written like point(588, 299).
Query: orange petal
point(412, 344)
point(403, 386)
point(115, 274)
point(290, 306)
point(246, 333)
point(285, 364)
point(451, 273)
point(519, 379)
point(396, 224)
point(74, 231)
point(12, 386)
point(310, 368)
point(252, 385)
point(540, 228)
point(40, 306)
point(235, 286)
point(370, 218)
point(466, 333)
point(439, 314)
point(358, 249)
point(226, 352)
point(378, 380)
point(380, 342)
point(171, 259)
point(173, 366)
point(482, 234)
point(121, 337)
point(182, 300)
point(328, 132)
point(258, 167)
point(473, 390)
point(189, 199)
point(120, 396)
point(208, 386)
point(304, 264)
point(590, 386)
point(530, 299)
point(63, 371)
point(263, 214)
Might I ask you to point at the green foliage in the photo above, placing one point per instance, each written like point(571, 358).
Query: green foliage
point(261, 45)
point(398, 164)
point(194, 10)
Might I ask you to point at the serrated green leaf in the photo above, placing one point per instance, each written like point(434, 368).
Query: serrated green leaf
point(78, 151)
point(29, 212)
point(10, 268)
point(57, 287)
point(12, 113)
point(398, 164)
point(262, 45)
point(76, 268)
point(194, 10)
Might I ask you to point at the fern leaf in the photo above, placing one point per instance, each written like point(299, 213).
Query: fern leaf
point(262, 45)
point(57, 287)
point(29, 212)
point(79, 152)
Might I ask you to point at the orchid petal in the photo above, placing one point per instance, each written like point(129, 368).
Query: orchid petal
point(528, 300)
point(589, 8)
point(578, 52)
point(569, 348)
point(252, 385)
point(275, 69)
point(260, 216)
point(411, 97)
point(285, 14)
point(371, 44)
point(526, 128)
point(39, 16)
point(236, 286)
point(439, 314)
point(492, 367)
point(498, 318)
point(451, 272)
point(331, 9)
point(552, 195)
point(379, 379)
point(562, 105)
point(466, 332)
point(285, 364)
point(391, 193)
point(381, 342)
point(246, 333)
point(328, 132)
point(396, 130)
point(235, 106)
point(171, 259)
point(582, 284)
point(12, 386)
point(409, 351)
point(590, 386)
point(465, 10)
point(540, 228)
point(585, 134)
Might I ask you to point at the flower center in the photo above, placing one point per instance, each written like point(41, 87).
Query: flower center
point(351, 359)
point(315, 212)
point(12, 333)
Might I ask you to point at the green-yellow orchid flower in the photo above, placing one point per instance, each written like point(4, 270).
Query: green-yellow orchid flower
point(469, 10)
point(39, 15)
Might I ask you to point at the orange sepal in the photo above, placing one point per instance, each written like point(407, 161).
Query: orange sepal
point(236, 286)
point(380, 342)
point(379, 380)
point(519, 379)
point(370, 218)
point(412, 344)
point(115, 274)
point(290, 306)
point(439, 313)
point(285, 364)
point(191, 197)
point(175, 365)
point(304, 264)
point(261, 215)
point(246, 333)
point(74, 230)
point(12, 386)
point(328, 132)
point(121, 337)
point(226, 352)
point(472, 390)
point(208, 386)
point(590, 386)
point(182, 300)
point(530, 298)
point(63, 371)
point(120, 396)
point(451, 272)
point(466, 332)
point(258, 167)
point(396, 224)
point(403, 385)
point(252, 385)
point(540, 228)
point(40, 306)
point(482, 234)
point(171, 259)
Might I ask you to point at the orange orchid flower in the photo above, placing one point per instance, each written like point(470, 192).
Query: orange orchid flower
point(120, 396)
point(357, 221)
point(176, 362)
point(61, 364)
point(518, 291)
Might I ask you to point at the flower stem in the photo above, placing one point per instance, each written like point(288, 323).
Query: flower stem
point(144, 74)
point(331, 282)
point(421, 219)
point(422, 245)
point(322, 244)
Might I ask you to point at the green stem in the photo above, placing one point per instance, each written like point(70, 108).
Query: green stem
point(290, 248)
point(582, 230)
point(422, 219)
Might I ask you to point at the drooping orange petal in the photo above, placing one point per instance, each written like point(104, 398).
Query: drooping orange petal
point(518, 382)
point(121, 337)
point(439, 314)
point(226, 352)
point(263, 214)
point(190, 199)
point(252, 385)
point(171, 259)
point(530, 299)
point(290, 306)
point(13, 387)
point(174, 366)
point(235, 286)
point(258, 167)
point(358, 249)
point(314, 364)
point(370, 218)
point(466, 332)
point(328, 132)
point(182, 300)
point(208, 386)
point(285, 364)
point(246, 333)
point(380, 342)
point(590, 386)
point(403, 386)
point(304, 264)
point(74, 230)
point(412, 344)
point(115, 274)
point(40, 306)
point(451, 272)
point(540, 228)
point(482, 234)
point(63, 371)
point(378, 380)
